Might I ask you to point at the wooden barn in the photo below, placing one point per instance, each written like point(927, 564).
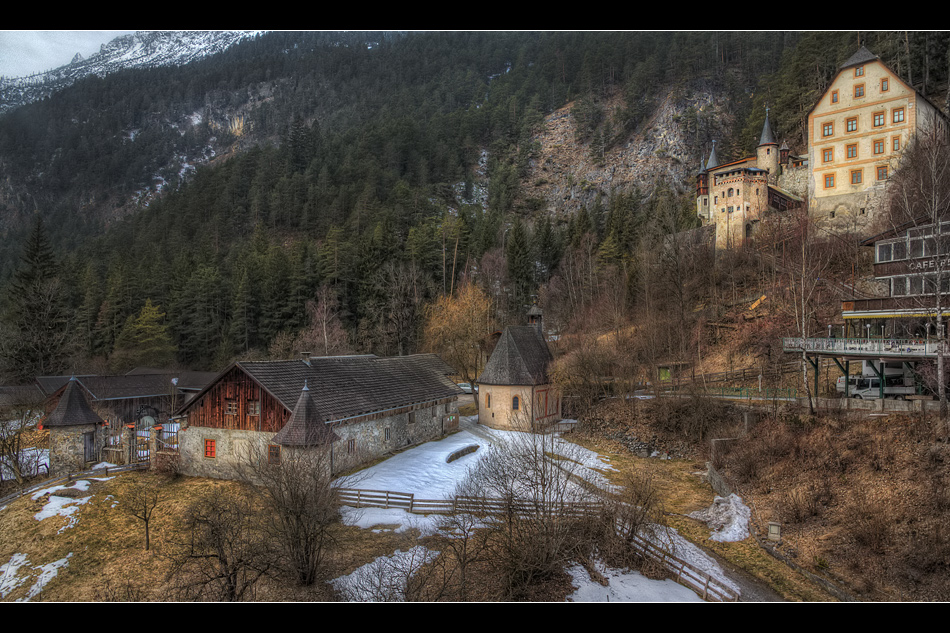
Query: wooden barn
point(372, 405)
point(129, 406)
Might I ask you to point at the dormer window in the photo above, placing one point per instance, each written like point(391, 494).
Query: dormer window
point(859, 71)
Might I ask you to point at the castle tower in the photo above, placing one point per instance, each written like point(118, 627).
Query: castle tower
point(767, 151)
point(703, 209)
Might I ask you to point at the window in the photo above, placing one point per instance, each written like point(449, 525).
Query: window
point(351, 446)
point(273, 454)
point(388, 434)
point(253, 407)
point(488, 401)
point(859, 71)
point(885, 85)
point(230, 407)
point(856, 177)
point(858, 91)
point(827, 129)
point(412, 417)
point(897, 144)
point(828, 155)
point(879, 146)
point(884, 253)
point(515, 403)
point(829, 181)
point(852, 150)
point(882, 173)
point(834, 96)
point(898, 115)
point(878, 119)
point(210, 449)
point(853, 124)
point(729, 209)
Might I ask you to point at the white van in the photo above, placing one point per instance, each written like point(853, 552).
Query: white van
point(869, 387)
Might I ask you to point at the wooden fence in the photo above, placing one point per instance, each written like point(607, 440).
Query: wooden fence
point(704, 585)
point(64, 479)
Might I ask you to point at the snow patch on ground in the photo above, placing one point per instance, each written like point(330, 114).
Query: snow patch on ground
point(18, 572)
point(728, 517)
point(424, 472)
point(384, 579)
point(625, 586)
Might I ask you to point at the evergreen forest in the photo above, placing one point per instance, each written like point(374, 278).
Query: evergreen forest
point(374, 175)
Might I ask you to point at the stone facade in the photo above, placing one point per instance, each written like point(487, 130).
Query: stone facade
point(735, 197)
point(359, 440)
point(68, 448)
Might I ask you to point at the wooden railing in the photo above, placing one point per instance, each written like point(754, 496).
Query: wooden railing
point(700, 582)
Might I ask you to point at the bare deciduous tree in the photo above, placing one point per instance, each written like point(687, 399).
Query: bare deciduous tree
point(919, 196)
point(17, 420)
point(536, 524)
point(139, 497)
point(298, 496)
point(224, 553)
point(457, 327)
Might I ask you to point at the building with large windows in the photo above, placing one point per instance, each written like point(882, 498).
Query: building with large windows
point(856, 132)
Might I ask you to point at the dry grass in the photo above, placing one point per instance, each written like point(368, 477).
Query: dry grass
point(683, 489)
point(860, 501)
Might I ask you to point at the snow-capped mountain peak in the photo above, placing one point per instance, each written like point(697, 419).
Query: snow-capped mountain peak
point(142, 49)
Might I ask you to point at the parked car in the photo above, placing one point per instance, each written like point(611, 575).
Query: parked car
point(467, 388)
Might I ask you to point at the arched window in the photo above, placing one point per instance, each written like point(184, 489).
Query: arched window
point(488, 401)
point(514, 403)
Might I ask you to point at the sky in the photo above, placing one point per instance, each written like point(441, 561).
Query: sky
point(26, 52)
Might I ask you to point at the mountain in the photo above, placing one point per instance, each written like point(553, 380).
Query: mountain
point(143, 49)
point(379, 171)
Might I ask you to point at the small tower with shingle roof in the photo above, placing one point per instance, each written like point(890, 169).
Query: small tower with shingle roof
point(73, 431)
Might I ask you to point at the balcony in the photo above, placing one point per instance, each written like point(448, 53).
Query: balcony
point(863, 347)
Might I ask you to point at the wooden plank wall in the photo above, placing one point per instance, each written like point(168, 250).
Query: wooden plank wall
point(209, 410)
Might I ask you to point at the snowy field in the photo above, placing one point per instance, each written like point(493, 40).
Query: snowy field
point(425, 472)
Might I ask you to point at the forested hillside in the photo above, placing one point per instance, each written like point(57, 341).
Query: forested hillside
point(319, 191)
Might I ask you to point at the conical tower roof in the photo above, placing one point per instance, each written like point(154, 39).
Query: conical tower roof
point(767, 137)
point(306, 426)
point(72, 409)
point(713, 162)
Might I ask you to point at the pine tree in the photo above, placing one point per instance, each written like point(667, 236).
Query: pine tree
point(34, 340)
point(144, 341)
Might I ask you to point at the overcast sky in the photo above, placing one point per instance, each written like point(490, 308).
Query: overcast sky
point(26, 52)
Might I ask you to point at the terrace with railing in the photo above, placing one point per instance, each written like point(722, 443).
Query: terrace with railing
point(863, 347)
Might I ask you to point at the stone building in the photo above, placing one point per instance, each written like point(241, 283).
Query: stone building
point(856, 132)
point(358, 407)
point(515, 388)
point(735, 196)
point(75, 432)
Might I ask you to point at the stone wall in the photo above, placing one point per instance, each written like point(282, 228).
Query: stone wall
point(67, 448)
point(358, 442)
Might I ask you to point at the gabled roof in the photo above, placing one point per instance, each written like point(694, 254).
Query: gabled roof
point(349, 386)
point(72, 409)
point(864, 56)
point(861, 56)
point(521, 357)
point(131, 385)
